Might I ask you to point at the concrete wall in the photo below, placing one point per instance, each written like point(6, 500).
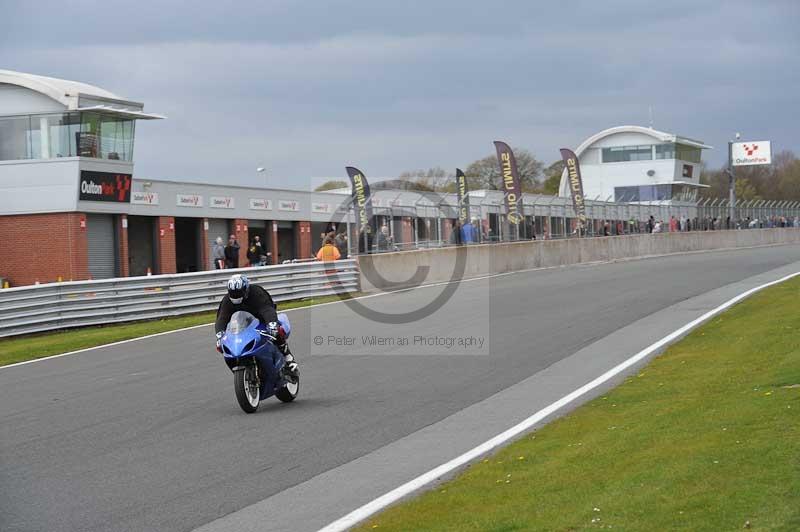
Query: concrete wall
point(486, 259)
point(39, 186)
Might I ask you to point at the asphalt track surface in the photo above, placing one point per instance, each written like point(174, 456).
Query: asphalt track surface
point(147, 435)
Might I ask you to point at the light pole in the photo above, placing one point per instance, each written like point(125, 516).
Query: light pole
point(549, 234)
point(732, 180)
point(262, 170)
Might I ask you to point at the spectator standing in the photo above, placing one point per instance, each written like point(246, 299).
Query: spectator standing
point(340, 241)
point(384, 239)
point(262, 251)
point(253, 254)
point(455, 233)
point(365, 240)
point(218, 253)
point(328, 252)
point(232, 253)
point(468, 232)
point(673, 224)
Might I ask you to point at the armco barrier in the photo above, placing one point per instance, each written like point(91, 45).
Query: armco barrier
point(60, 305)
point(514, 256)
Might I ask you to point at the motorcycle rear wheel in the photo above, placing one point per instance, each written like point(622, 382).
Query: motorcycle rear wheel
point(247, 387)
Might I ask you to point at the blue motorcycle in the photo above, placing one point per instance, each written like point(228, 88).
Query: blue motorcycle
point(256, 362)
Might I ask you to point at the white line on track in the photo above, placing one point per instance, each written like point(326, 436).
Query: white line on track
point(364, 512)
point(399, 290)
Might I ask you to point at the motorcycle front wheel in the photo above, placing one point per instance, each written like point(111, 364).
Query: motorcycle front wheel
point(248, 388)
point(289, 391)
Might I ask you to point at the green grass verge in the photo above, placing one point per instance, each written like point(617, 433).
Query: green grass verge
point(707, 437)
point(20, 349)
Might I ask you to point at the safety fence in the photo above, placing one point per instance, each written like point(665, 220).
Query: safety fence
point(80, 303)
point(432, 225)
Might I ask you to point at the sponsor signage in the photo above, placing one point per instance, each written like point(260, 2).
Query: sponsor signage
point(144, 198)
point(104, 186)
point(362, 200)
point(463, 196)
point(259, 204)
point(751, 153)
point(573, 168)
point(221, 202)
point(321, 208)
point(511, 184)
point(189, 200)
point(288, 205)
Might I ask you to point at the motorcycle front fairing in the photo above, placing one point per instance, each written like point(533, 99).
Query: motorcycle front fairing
point(243, 343)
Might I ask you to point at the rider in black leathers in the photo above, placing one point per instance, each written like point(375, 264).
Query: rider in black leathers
point(257, 301)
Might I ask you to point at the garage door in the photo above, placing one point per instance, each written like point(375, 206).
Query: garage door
point(216, 227)
point(102, 246)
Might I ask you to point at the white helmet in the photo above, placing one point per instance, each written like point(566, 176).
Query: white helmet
point(238, 288)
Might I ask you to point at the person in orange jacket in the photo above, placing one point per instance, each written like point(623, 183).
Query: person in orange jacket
point(328, 252)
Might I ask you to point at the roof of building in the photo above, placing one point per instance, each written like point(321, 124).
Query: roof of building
point(68, 94)
point(661, 136)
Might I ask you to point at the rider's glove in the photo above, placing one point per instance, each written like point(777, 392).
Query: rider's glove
point(276, 330)
point(219, 341)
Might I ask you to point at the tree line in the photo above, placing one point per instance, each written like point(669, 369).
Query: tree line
point(780, 180)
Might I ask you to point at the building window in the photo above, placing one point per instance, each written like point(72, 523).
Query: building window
point(627, 153)
point(50, 136)
point(665, 151)
point(644, 193)
point(688, 153)
point(15, 138)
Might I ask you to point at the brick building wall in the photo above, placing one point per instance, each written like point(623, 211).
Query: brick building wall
point(408, 231)
point(302, 233)
point(43, 247)
point(165, 245)
point(242, 233)
point(447, 229)
point(272, 235)
point(205, 250)
point(122, 242)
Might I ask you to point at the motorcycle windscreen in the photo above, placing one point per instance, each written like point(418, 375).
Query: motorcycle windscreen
point(240, 321)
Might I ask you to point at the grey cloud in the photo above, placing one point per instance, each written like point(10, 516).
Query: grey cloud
point(306, 89)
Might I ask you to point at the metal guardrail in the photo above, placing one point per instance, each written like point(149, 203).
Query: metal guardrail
point(53, 306)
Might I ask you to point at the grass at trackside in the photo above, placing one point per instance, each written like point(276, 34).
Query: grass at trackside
point(707, 437)
point(20, 349)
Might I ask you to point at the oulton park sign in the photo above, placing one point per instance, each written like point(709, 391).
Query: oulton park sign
point(751, 153)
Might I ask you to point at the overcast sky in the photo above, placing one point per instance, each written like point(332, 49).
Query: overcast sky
point(306, 88)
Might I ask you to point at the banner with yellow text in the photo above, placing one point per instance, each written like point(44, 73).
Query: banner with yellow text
point(573, 168)
point(511, 185)
point(462, 189)
point(362, 202)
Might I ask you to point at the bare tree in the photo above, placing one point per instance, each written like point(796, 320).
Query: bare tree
point(552, 177)
point(485, 173)
point(432, 179)
point(330, 185)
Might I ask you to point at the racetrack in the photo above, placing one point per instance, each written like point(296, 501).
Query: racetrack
point(147, 435)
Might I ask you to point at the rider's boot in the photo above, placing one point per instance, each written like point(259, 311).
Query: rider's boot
point(288, 357)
